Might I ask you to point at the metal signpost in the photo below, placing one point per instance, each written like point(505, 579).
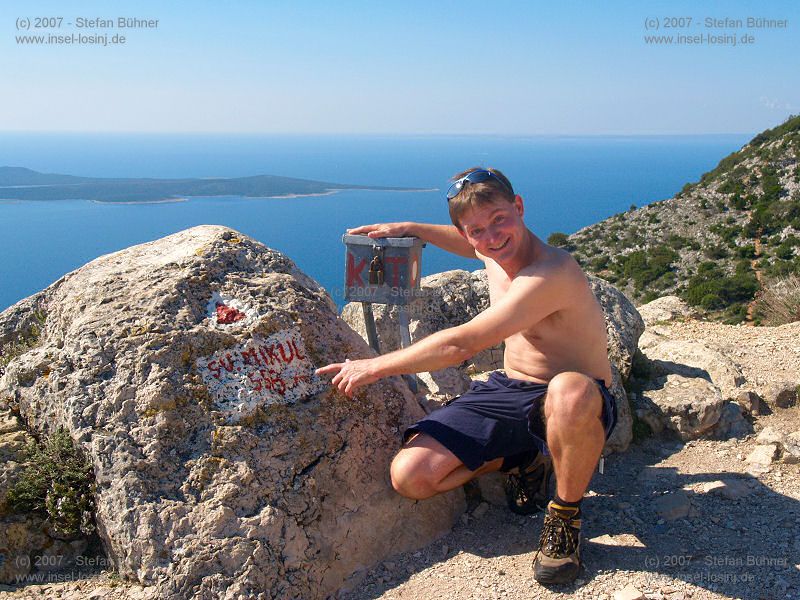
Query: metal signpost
point(383, 271)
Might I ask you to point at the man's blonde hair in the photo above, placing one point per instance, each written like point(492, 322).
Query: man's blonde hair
point(479, 194)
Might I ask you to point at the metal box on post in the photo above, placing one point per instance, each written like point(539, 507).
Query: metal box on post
point(382, 270)
point(386, 271)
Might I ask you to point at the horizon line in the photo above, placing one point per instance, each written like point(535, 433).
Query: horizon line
point(366, 134)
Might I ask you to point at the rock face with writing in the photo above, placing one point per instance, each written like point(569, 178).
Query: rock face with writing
point(454, 297)
point(184, 368)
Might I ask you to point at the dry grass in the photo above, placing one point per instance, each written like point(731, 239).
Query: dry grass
point(779, 302)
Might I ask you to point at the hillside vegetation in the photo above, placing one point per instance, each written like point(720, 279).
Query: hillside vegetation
point(717, 242)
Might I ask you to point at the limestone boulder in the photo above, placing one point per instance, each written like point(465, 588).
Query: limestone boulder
point(624, 325)
point(184, 368)
point(694, 359)
point(664, 310)
point(689, 406)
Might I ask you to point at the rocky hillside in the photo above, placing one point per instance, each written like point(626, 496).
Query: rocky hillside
point(717, 241)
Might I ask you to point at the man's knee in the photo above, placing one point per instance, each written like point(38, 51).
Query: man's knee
point(573, 397)
point(408, 477)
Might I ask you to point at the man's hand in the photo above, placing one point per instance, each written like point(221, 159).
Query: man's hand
point(382, 230)
point(445, 237)
point(350, 375)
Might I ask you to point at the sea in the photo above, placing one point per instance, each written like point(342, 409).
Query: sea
point(567, 182)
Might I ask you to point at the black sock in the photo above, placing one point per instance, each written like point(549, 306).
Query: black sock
point(564, 508)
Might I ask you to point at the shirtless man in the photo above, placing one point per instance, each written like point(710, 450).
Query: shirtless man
point(553, 396)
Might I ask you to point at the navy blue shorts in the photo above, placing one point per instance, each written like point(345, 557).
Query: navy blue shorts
point(501, 417)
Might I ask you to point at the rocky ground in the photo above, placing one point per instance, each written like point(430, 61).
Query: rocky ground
point(703, 519)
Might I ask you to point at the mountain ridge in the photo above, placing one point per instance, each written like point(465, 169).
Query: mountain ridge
point(717, 241)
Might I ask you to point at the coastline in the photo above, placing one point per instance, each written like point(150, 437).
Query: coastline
point(329, 192)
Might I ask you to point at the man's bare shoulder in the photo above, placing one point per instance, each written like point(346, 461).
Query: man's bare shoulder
point(554, 264)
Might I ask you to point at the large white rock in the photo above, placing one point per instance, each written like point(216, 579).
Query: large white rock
point(664, 310)
point(690, 406)
point(693, 359)
point(224, 467)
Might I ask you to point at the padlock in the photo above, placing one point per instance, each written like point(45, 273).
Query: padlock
point(376, 271)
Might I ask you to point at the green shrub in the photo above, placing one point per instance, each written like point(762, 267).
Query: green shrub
point(780, 268)
point(649, 296)
point(600, 263)
point(643, 267)
point(57, 483)
point(728, 234)
point(770, 185)
point(736, 314)
point(784, 251)
point(731, 186)
point(715, 252)
point(738, 202)
point(558, 239)
point(713, 290)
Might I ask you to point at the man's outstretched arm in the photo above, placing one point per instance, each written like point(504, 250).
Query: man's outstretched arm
point(446, 237)
point(528, 301)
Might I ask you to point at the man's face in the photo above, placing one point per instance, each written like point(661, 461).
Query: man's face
point(495, 230)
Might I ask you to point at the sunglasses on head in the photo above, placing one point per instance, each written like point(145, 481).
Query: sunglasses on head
point(477, 176)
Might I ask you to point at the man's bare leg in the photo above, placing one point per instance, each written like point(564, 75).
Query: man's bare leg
point(575, 434)
point(424, 468)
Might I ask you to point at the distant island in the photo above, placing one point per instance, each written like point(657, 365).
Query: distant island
point(19, 183)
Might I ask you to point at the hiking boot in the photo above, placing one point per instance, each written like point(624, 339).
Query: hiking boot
point(558, 558)
point(527, 492)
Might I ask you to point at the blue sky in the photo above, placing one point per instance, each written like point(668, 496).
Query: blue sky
point(412, 67)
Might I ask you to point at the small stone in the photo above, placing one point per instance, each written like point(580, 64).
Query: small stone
point(650, 473)
point(750, 402)
point(629, 593)
point(672, 506)
point(782, 394)
point(9, 423)
point(604, 540)
point(492, 489)
point(768, 435)
point(791, 448)
point(481, 510)
point(763, 455)
point(732, 489)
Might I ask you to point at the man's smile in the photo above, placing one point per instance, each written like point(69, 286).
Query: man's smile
point(500, 247)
